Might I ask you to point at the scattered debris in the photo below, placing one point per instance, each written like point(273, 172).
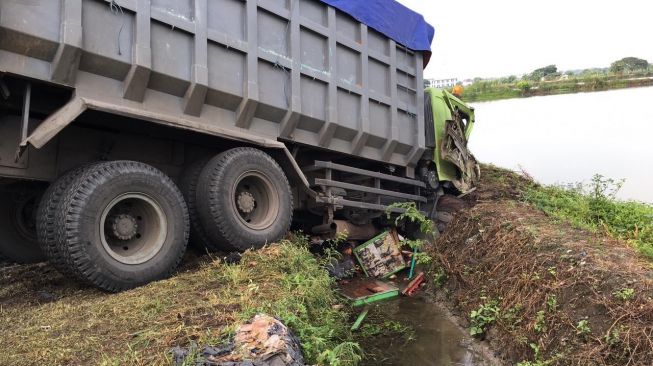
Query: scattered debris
point(381, 255)
point(413, 257)
point(179, 354)
point(342, 267)
point(267, 339)
point(233, 258)
point(380, 258)
point(360, 319)
point(349, 230)
point(263, 341)
point(414, 285)
point(361, 291)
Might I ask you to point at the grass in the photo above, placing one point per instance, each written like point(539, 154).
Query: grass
point(83, 326)
point(594, 207)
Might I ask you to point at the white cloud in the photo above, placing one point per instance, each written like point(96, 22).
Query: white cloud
point(502, 37)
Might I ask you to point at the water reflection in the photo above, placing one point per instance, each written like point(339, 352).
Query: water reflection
point(569, 138)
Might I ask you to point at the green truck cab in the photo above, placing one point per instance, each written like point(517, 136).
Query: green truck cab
point(452, 122)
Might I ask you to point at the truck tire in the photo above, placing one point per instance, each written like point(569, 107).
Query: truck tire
point(49, 212)
point(18, 240)
point(188, 186)
point(244, 199)
point(125, 224)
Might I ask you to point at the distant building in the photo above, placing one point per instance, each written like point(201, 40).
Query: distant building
point(440, 83)
point(468, 82)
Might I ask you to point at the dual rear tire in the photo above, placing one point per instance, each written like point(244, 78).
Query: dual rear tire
point(115, 225)
point(241, 199)
point(121, 224)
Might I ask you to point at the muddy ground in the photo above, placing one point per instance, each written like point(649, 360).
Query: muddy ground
point(544, 292)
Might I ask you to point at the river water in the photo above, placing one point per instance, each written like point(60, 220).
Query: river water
point(569, 138)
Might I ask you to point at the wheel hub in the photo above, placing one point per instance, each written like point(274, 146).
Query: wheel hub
point(255, 200)
point(133, 228)
point(123, 226)
point(246, 202)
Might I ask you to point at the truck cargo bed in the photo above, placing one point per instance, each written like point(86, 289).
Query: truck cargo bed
point(287, 70)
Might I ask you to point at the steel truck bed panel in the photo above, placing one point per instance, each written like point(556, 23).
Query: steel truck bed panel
point(289, 70)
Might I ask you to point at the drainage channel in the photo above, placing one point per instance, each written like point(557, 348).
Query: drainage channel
point(435, 338)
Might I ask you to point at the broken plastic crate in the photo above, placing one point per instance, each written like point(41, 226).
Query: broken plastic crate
point(381, 256)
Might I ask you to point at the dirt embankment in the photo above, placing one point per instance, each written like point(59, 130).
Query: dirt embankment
point(543, 291)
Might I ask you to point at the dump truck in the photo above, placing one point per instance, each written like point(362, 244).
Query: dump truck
point(129, 126)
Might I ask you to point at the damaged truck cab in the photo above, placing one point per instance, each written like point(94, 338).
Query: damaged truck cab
point(452, 122)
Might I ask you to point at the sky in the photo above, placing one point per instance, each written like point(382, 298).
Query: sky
point(482, 38)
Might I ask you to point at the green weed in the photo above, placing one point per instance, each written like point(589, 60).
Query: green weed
point(613, 337)
point(203, 305)
point(483, 317)
point(387, 327)
point(583, 328)
point(540, 322)
point(344, 354)
point(552, 302)
point(439, 276)
point(303, 298)
point(625, 294)
point(422, 258)
point(552, 271)
point(594, 207)
point(537, 355)
point(511, 315)
point(412, 215)
point(536, 351)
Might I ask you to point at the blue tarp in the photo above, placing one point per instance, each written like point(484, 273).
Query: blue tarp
point(390, 18)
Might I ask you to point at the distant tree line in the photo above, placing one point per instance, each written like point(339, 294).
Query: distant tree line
point(627, 72)
point(626, 65)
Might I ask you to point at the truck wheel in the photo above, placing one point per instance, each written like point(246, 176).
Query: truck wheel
point(244, 199)
point(125, 224)
point(18, 240)
point(188, 186)
point(48, 213)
